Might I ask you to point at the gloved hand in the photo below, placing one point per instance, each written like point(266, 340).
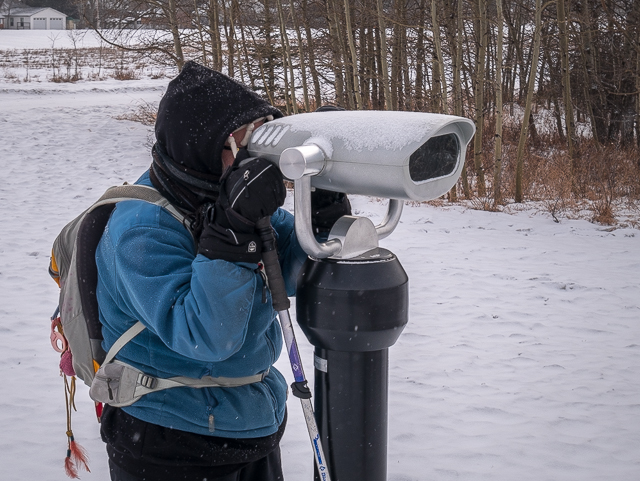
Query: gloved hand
point(326, 208)
point(248, 192)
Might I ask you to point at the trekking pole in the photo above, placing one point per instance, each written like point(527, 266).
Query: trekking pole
point(281, 304)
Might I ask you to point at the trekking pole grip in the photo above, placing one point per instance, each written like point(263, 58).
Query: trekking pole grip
point(272, 265)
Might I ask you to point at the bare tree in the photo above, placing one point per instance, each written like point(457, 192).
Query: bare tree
point(354, 58)
point(382, 32)
point(527, 112)
point(439, 77)
point(479, 81)
point(566, 78)
point(497, 155)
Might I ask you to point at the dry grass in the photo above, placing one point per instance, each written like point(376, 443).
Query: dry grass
point(145, 113)
point(601, 184)
point(125, 74)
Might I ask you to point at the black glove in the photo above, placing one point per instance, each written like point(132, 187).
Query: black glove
point(326, 208)
point(249, 191)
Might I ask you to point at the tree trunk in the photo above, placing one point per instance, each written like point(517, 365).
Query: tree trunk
point(404, 62)
point(337, 63)
point(237, 27)
point(354, 57)
point(497, 154)
point(479, 80)
point(454, 31)
point(229, 34)
point(263, 74)
point(172, 15)
point(374, 48)
point(247, 59)
point(384, 67)
point(590, 79)
point(396, 62)
point(420, 55)
point(267, 52)
point(369, 94)
point(439, 80)
point(312, 58)
point(527, 113)
point(566, 79)
point(301, 56)
point(216, 40)
point(341, 44)
point(457, 87)
point(638, 102)
point(544, 61)
point(289, 79)
point(200, 28)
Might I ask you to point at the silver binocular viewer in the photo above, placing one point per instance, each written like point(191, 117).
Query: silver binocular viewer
point(395, 155)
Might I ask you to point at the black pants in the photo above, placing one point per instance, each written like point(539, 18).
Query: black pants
point(141, 451)
point(265, 469)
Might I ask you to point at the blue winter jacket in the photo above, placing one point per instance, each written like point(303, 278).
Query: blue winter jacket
point(203, 318)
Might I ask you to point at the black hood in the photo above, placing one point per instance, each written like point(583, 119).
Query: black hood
point(199, 110)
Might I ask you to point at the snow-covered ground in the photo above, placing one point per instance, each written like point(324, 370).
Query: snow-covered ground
point(520, 359)
point(39, 39)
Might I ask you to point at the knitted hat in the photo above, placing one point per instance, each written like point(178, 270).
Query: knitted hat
point(199, 110)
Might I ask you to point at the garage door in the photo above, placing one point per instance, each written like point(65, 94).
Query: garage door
point(39, 23)
point(55, 23)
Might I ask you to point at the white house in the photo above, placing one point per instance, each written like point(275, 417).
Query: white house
point(34, 18)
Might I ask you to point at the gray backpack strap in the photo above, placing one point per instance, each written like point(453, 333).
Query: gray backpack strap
point(147, 384)
point(120, 384)
point(129, 334)
point(141, 192)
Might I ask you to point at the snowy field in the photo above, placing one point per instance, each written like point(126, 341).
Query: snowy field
point(520, 360)
point(38, 39)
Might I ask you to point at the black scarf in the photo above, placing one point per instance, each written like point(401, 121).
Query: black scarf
point(183, 187)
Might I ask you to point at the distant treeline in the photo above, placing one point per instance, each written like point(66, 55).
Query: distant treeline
point(575, 60)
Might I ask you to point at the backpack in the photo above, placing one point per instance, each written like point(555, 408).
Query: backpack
point(76, 331)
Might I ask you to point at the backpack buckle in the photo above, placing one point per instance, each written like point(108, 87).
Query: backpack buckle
point(147, 381)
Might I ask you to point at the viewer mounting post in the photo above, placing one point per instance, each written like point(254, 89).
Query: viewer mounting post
point(352, 296)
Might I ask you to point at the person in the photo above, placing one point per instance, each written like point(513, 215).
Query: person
point(198, 289)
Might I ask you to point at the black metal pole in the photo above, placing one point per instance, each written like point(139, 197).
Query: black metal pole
point(352, 311)
point(351, 402)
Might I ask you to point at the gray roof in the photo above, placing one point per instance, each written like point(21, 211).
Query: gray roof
point(25, 12)
point(29, 11)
